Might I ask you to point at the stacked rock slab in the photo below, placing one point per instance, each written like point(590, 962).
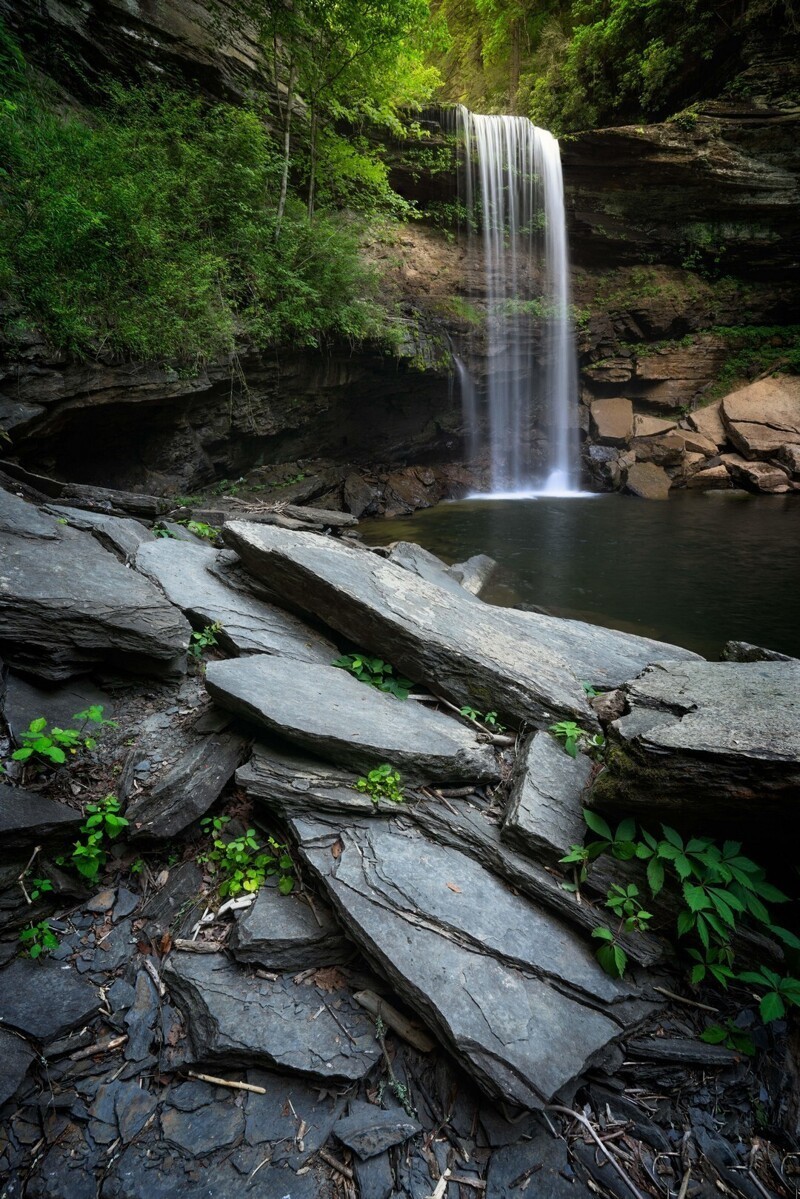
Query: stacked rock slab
point(543, 813)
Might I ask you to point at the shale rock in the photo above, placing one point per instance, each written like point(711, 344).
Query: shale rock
point(425, 565)
point(475, 573)
point(724, 734)
point(526, 668)
point(284, 932)
point(25, 702)
point(327, 711)
point(249, 625)
point(369, 1130)
point(27, 818)
point(16, 1056)
point(765, 416)
point(237, 1020)
point(45, 999)
point(708, 422)
point(649, 481)
point(613, 420)
point(511, 992)
point(543, 815)
point(121, 535)
point(66, 604)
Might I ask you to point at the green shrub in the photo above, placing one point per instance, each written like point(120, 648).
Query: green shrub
point(376, 673)
point(382, 783)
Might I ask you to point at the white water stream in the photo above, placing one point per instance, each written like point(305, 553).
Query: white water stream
point(513, 169)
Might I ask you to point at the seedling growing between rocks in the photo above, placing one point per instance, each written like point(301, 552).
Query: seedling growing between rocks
point(38, 940)
point(624, 903)
point(382, 783)
point(245, 865)
point(376, 673)
point(575, 737)
point(40, 747)
point(102, 821)
point(489, 719)
point(200, 529)
point(729, 1035)
point(203, 640)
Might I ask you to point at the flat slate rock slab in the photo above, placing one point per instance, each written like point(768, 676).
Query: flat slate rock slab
point(183, 571)
point(369, 1130)
point(27, 818)
point(284, 932)
point(469, 651)
point(328, 712)
point(724, 733)
point(544, 810)
point(67, 604)
point(518, 999)
point(45, 999)
point(245, 1021)
point(16, 1056)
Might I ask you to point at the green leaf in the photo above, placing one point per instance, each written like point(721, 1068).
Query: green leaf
point(771, 1007)
point(783, 934)
point(714, 1034)
point(37, 725)
point(603, 934)
point(672, 837)
point(655, 875)
point(597, 824)
point(698, 974)
point(286, 884)
point(21, 755)
point(626, 830)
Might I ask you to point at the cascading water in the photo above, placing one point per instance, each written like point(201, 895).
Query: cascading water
point(517, 168)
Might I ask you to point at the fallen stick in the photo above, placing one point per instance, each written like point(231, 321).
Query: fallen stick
point(198, 946)
point(682, 999)
point(395, 1020)
point(104, 1046)
point(441, 1186)
point(338, 1166)
point(475, 1183)
point(21, 879)
point(579, 1116)
point(225, 1082)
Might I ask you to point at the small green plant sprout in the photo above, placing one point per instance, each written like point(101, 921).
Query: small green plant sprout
point(489, 719)
point(160, 531)
point(589, 690)
point(382, 783)
point(243, 864)
point(470, 713)
point(203, 640)
point(376, 673)
point(138, 866)
point(214, 824)
point(41, 747)
point(575, 737)
point(201, 529)
point(103, 823)
point(624, 902)
point(731, 1036)
point(38, 940)
point(40, 887)
point(780, 993)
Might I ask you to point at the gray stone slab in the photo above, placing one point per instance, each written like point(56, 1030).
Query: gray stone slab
point(22, 519)
point(516, 997)
point(186, 790)
point(328, 712)
point(369, 1130)
point(26, 818)
point(724, 734)
point(45, 999)
point(26, 702)
point(179, 902)
point(122, 535)
point(474, 573)
point(292, 783)
point(237, 1020)
point(16, 1056)
point(203, 1131)
point(284, 932)
point(66, 604)
point(471, 652)
point(544, 810)
point(183, 571)
point(427, 566)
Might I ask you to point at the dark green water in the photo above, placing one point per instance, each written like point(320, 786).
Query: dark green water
point(696, 570)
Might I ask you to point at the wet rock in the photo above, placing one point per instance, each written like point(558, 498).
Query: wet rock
point(249, 625)
point(27, 818)
point(509, 990)
point(764, 416)
point(369, 1130)
point(66, 604)
point(16, 1056)
point(756, 476)
point(44, 999)
point(238, 1020)
point(613, 420)
point(283, 932)
point(188, 789)
point(543, 814)
point(743, 651)
point(361, 497)
point(425, 565)
point(469, 651)
point(202, 1131)
point(175, 906)
point(724, 734)
point(274, 1117)
point(649, 481)
point(475, 573)
point(714, 478)
point(327, 711)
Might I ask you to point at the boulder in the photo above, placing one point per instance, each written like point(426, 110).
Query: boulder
point(543, 815)
point(649, 481)
point(765, 416)
point(525, 666)
point(16, 1056)
point(713, 478)
point(45, 999)
point(427, 566)
point(789, 457)
point(66, 604)
point(27, 818)
point(651, 426)
point(330, 713)
point(248, 625)
point(722, 735)
point(665, 450)
point(758, 476)
point(121, 535)
point(708, 422)
point(287, 932)
point(475, 573)
point(743, 651)
point(187, 789)
point(613, 420)
point(236, 1020)
point(517, 998)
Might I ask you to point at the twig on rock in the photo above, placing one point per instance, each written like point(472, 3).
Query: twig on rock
point(682, 999)
point(104, 1046)
point(441, 1186)
point(336, 1165)
point(395, 1020)
point(582, 1120)
point(21, 879)
point(226, 1082)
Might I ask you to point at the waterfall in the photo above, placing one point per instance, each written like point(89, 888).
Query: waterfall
point(513, 169)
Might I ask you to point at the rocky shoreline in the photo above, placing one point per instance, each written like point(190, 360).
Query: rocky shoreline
point(397, 995)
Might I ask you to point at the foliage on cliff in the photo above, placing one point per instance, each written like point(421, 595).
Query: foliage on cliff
point(160, 226)
point(577, 64)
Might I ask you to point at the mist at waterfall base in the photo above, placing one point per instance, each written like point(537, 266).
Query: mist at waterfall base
point(696, 570)
point(513, 169)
